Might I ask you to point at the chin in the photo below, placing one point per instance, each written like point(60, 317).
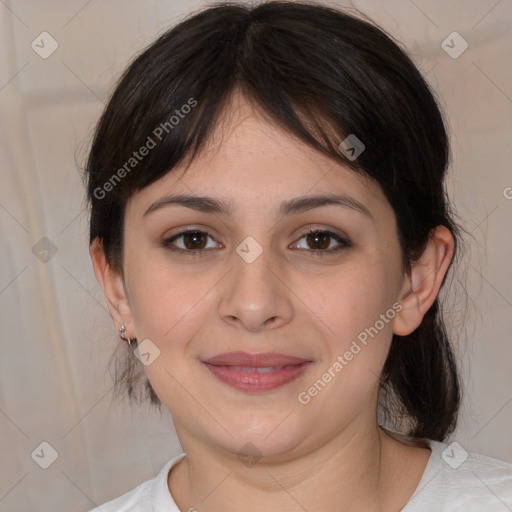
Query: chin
point(272, 444)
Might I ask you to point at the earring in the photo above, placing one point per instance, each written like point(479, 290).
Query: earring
point(131, 341)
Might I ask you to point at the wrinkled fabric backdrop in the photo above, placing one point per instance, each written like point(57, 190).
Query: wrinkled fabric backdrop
point(56, 332)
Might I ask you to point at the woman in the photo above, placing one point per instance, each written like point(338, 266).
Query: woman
point(270, 227)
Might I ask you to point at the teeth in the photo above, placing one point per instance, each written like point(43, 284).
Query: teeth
point(263, 369)
point(266, 369)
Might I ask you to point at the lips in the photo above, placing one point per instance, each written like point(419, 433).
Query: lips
point(256, 372)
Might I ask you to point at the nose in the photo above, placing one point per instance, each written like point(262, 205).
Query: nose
point(255, 294)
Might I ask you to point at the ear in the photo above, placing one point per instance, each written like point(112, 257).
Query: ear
point(112, 283)
point(421, 287)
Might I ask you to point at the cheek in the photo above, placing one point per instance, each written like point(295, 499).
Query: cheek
point(168, 308)
point(356, 344)
point(350, 300)
point(357, 338)
point(165, 301)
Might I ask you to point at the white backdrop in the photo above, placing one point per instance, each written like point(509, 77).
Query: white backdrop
point(56, 335)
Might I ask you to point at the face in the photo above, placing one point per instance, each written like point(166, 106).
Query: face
point(256, 280)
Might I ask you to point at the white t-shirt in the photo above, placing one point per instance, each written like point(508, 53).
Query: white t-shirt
point(453, 481)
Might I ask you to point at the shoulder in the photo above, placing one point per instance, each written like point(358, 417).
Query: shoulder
point(457, 480)
point(146, 497)
point(136, 500)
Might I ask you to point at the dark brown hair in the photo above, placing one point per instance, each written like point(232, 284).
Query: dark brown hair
point(322, 74)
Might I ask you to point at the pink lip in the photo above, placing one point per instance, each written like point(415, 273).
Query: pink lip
point(239, 370)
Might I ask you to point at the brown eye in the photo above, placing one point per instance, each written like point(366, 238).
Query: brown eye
point(319, 242)
point(193, 241)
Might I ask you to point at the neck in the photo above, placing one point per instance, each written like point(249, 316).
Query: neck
point(354, 471)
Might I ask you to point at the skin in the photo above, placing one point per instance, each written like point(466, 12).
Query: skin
point(313, 456)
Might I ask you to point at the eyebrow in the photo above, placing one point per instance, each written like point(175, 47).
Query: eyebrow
point(288, 207)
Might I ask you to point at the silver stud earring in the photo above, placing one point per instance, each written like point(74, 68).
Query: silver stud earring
point(131, 341)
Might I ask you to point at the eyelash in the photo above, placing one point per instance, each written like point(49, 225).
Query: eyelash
point(344, 244)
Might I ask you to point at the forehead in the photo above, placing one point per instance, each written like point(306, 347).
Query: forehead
point(250, 161)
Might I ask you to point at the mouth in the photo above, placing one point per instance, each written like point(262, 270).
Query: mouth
point(256, 372)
